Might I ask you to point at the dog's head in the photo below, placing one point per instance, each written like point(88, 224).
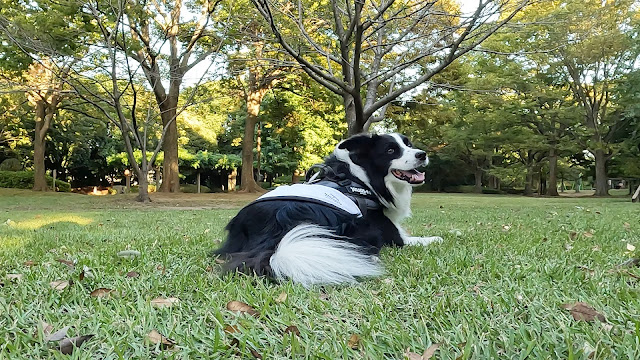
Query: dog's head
point(388, 164)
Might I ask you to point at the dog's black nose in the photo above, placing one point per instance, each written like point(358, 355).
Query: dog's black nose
point(421, 155)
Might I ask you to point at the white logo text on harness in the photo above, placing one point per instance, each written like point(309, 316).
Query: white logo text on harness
point(360, 191)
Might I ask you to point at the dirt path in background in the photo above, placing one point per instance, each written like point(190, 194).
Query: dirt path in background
point(26, 200)
point(197, 201)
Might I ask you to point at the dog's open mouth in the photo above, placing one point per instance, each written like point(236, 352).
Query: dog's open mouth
point(411, 176)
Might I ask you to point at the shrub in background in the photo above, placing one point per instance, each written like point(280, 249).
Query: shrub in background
point(11, 165)
point(24, 180)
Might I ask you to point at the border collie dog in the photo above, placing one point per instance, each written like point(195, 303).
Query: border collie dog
point(331, 229)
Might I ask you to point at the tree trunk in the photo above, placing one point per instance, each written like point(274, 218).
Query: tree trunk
point(350, 116)
point(143, 187)
point(40, 180)
point(528, 186)
point(158, 181)
point(258, 150)
point(602, 186)
point(542, 180)
point(295, 178)
point(636, 195)
point(254, 99)
point(231, 180)
point(478, 176)
point(552, 190)
point(170, 172)
point(39, 146)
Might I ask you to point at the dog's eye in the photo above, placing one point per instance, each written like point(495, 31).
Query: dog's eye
point(391, 151)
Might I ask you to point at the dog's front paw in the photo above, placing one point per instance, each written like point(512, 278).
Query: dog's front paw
point(422, 241)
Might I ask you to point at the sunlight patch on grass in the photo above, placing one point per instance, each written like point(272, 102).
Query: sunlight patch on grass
point(7, 242)
point(43, 220)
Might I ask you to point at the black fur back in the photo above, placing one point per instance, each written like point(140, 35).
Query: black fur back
point(255, 232)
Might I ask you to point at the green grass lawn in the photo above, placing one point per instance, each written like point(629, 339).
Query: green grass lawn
point(493, 289)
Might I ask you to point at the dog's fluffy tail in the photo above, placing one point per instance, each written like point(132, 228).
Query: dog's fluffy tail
point(313, 255)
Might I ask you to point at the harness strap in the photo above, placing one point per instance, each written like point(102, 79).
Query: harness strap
point(355, 191)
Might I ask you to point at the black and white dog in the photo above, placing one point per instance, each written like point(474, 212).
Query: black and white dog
point(331, 229)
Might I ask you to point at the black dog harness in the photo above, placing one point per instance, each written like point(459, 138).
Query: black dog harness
point(354, 190)
point(326, 187)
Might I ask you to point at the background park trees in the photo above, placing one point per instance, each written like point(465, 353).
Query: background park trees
point(507, 96)
point(370, 53)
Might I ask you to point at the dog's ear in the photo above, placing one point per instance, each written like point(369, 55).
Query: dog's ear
point(358, 146)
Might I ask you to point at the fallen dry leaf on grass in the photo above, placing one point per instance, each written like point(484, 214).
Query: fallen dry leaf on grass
point(411, 355)
point(69, 263)
point(164, 302)
point(586, 269)
point(132, 274)
point(628, 273)
point(46, 329)
point(102, 293)
point(58, 335)
point(583, 312)
point(29, 263)
point(430, 351)
point(607, 327)
point(231, 329)
point(281, 298)
point(256, 354)
point(60, 284)
point(633, 262)
point(573, 235)
point(242, 307)
point(292, 329)
point(14, 276)
point(67, 345)
point(86, 273)
point(621, 268)
point(219, 261)
point(354, 341)
point(154, 337)
point(626, 225)
point(128, 254)
point(587, 234)
point(630, 247)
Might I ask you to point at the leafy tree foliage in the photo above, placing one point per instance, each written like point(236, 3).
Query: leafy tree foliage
point(532, 108)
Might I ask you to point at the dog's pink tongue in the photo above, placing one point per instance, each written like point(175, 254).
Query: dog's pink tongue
point(417, 177)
